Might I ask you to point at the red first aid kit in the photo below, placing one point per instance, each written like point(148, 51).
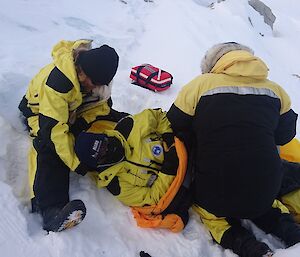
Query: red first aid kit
point(151, 77)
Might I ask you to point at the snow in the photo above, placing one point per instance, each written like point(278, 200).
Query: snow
point(171, 34)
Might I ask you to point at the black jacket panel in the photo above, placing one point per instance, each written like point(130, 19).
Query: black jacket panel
point(236, 154)
point(286, 129)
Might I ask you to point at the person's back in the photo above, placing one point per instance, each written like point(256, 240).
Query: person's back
point(238, 117)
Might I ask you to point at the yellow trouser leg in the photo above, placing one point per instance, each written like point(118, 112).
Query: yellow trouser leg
point(32, 165)
point(292, 202)
point(216, 226)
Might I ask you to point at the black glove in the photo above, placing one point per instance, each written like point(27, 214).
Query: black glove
point(82, 169)
point(170, 163)
point(168, 139)
point(79, 126)
point(242, 241)
point(144, 254)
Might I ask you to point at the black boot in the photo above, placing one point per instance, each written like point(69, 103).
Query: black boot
point(279, 224)
point(287, 230)
point(57, 219)
point(243, 243)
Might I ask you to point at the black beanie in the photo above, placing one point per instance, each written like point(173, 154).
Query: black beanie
point(96, 150)
point(90, 148)
point(99, 64)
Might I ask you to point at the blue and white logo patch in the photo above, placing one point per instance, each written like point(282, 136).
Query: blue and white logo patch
point(157, 150)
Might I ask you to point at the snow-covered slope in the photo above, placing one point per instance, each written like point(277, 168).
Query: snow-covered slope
point(172, 34)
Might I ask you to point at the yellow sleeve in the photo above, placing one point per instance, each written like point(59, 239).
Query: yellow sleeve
point(285, 102)
point(189, 96)
point(132, 195)
point(53, 121)
point(151, 121)
point(91, 113)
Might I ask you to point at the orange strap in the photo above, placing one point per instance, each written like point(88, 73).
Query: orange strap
point(149, 216)
point(171, 221)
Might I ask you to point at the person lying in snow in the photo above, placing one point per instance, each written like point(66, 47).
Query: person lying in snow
point(61, 100)
point(137, 162)
point(134, 164)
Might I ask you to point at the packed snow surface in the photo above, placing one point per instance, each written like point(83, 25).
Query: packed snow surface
point(171, 34)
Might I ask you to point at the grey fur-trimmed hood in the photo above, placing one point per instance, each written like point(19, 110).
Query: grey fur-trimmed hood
point(217, 51)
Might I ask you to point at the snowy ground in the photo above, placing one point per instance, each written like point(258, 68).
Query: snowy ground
point(172, 34)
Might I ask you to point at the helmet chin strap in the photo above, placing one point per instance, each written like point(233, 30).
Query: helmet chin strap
point(111, 164)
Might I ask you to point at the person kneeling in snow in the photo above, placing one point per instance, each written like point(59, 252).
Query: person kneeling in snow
point(237, 117)
point(63, 99)
point(138, 163)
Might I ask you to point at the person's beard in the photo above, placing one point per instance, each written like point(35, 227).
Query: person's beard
point(103, 92)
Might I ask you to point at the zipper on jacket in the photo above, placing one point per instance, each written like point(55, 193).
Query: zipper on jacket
point(143, 166)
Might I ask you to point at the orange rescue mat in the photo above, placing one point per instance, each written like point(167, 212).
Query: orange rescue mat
point(150, 216)
point(291, 151)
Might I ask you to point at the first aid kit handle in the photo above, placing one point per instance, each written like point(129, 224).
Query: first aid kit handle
point(159, 74)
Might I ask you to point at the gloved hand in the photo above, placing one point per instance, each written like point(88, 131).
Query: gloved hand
point(168, 140)
point(144, 254)
point(82, 169)
point(170, 163)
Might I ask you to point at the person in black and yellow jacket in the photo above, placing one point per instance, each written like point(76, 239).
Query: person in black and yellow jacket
point(138, 163)
point(61, 100)
point(237, 118)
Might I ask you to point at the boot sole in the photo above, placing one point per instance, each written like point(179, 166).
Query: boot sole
point(71, 215)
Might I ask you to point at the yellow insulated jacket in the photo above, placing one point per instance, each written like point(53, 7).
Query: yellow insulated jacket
point(138, 179)
point(237, 72)
point(52, 99)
